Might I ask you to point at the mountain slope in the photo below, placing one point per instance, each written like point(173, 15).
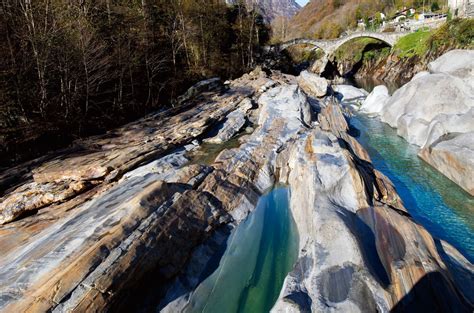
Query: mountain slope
point(329, 18)
point(271, 9)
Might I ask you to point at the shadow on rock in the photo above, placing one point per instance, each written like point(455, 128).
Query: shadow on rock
point(431, 294)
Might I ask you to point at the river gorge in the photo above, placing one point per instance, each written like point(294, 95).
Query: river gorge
point(270, 192)
point(433, 200)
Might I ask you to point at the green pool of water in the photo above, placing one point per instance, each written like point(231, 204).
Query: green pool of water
point(434, 201)
point(260, 253)
point(208, 152)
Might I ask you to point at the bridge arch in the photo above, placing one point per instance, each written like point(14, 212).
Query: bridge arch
point(329, 46)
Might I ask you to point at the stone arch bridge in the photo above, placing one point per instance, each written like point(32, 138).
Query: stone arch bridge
point(329, 46)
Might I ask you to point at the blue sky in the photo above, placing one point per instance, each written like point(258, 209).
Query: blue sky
point(302, 2)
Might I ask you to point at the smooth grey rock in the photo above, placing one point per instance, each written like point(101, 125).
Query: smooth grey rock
point(329, 252)
point(454, 158)
point(286, 102)
point(459, 63)
point(284, 110)
point(350, 95)
point(444, 124)
point(416, 104)
point(376, 100)
point(163, 167)
point(433, 111)
point(234, 122)
point(420, 75)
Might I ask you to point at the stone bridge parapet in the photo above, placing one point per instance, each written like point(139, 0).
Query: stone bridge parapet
point(329, 46)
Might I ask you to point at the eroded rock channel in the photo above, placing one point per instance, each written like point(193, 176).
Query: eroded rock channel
point(128, 221)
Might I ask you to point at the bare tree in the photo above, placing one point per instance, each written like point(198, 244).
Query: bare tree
point(39, 35)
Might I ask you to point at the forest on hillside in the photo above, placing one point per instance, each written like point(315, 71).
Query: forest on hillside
point(71, 68)
point(330, 18)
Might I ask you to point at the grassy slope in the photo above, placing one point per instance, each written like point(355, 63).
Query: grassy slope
point(458, 33)
point(412, 44)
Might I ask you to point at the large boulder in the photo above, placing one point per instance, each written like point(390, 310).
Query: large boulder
point(445, 124)
point(320, 64)
point(414, 106)
point(355, 257)
point(287, 101)
point(350, 96)
point(453, 155)
point(376, 100)
point(459, 63)
point(313, 84)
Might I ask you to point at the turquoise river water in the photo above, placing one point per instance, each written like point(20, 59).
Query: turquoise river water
point(260, 253)
point(433, 200)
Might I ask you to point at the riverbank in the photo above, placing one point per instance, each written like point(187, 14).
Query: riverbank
point(369, 58)
point(435, 112)
point(434, 201)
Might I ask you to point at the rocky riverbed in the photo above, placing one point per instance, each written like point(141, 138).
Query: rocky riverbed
point(113, 222)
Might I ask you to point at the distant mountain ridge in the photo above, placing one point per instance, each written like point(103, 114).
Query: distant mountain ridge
point(271, 9)
point(325, 18)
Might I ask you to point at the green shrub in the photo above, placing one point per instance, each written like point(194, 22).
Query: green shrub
point(458, 33)
point(353, 50)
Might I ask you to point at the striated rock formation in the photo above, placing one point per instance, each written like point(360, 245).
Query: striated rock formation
point(233, 124)
point(360, 251)
point(86, 253)
point(110, 225)
point(433, 108)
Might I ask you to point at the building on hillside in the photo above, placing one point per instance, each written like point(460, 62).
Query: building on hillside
point(361, 25)
point(399, 18)
point(461, 8)
point(407, 12)
point(430, 16)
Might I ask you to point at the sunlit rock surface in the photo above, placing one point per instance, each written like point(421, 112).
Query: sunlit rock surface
point(433, 107)
point(233, 123)
point(360, 251)
point(375, 101)
point(313, 84)
point(107, 225)
point(350, 95)
point(453, 156)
